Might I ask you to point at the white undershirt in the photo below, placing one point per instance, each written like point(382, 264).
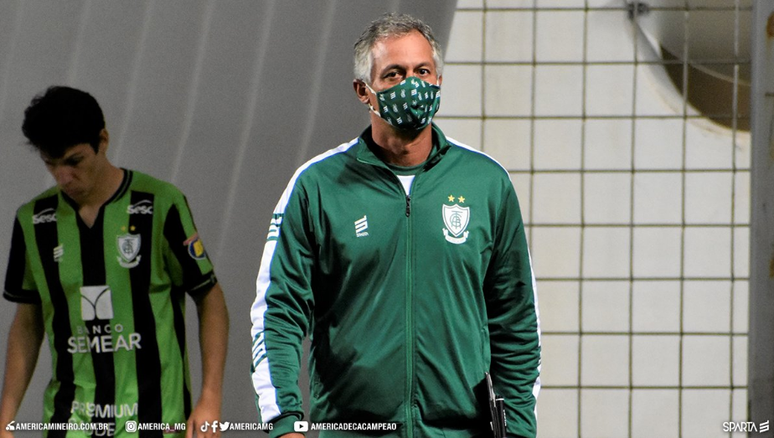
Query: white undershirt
point(406, 180)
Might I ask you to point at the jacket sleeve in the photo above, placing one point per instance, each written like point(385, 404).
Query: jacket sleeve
point(281, 313)
point(514, 328)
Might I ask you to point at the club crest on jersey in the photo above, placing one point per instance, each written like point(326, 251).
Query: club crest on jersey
point(456, 218)
point(129, 250)
point(195, 247)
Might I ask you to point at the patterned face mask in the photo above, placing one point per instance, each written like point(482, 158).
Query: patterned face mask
point(409, 105)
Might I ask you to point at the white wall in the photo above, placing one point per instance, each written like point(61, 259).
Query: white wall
point(637, 209)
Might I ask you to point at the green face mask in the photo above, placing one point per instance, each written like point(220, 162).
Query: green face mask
point(409, 105)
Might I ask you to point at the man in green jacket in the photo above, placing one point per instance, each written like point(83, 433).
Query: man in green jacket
point(402, 254)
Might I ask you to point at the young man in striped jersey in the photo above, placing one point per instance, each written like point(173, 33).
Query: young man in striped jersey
point(403, 255)
point(101, 265)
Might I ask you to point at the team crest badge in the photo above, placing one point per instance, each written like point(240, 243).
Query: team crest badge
point(129, 250)
point(456, 219)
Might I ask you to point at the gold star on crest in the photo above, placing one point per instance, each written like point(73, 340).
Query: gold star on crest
point(462, 199)
point(451, 198)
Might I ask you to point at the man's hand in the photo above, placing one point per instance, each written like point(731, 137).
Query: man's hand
point(203, 414)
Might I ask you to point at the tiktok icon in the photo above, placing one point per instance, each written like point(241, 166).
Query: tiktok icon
point(223, 426)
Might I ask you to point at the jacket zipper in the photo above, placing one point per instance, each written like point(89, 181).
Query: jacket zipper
point(409, 320)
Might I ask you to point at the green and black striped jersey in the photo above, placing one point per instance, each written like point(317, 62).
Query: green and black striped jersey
point(113, 303)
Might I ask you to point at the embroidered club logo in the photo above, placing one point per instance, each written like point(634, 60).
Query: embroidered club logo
point(456, 219)
point(129, 250)
point(96, 303)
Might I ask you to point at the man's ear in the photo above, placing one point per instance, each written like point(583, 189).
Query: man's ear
point(361, 91)
point(104, 140)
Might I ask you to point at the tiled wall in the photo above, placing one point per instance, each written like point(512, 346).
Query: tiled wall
point(637, 212)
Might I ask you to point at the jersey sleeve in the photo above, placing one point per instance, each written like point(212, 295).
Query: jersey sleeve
point(19, 282)
point(281, 312)
point(513, 319)
point(187, 260)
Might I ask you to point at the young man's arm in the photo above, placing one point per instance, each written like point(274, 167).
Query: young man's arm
point(213, 340)
point(24, 340)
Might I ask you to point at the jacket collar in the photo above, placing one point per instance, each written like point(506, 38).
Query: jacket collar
point(366, 145)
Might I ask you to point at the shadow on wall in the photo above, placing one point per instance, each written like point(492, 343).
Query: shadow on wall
point(705, 54)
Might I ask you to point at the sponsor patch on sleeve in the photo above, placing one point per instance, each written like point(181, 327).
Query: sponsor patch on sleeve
point(195, 247)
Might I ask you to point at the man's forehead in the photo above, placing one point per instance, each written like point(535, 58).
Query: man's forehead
point(69, 152)
point(389, 39)
point(386, 45)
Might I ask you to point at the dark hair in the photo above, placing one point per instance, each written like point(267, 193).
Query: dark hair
point(63, 117)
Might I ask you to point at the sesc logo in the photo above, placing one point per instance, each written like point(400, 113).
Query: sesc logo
point(45, 216)
point(142, 207)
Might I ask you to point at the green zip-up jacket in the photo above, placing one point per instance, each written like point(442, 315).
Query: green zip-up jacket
point(409, 298)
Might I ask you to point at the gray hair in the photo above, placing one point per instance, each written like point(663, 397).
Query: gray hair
point(390, 25)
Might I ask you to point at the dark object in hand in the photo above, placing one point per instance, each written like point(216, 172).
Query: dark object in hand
point(496, 410)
